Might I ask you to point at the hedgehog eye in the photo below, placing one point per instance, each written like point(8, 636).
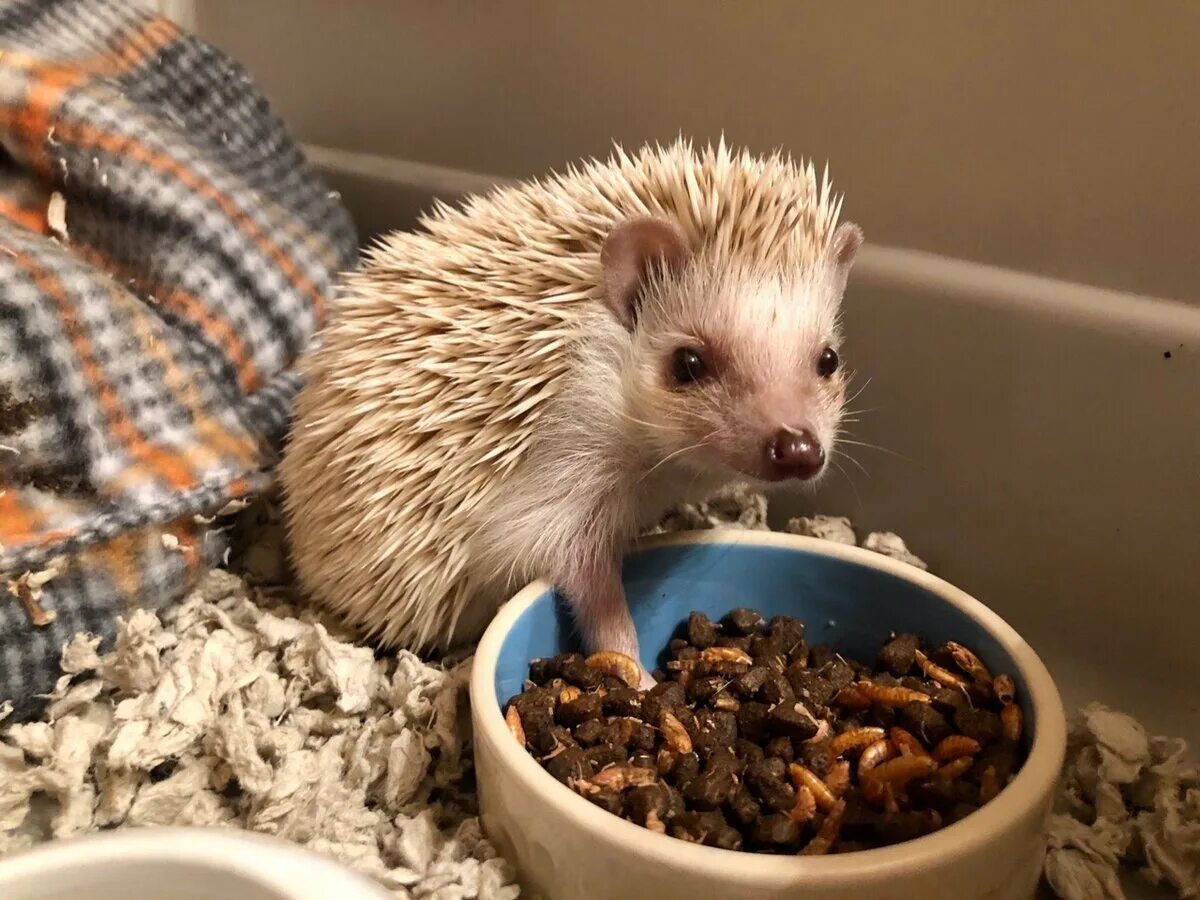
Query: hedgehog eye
point(827, 362)
point(688, 366)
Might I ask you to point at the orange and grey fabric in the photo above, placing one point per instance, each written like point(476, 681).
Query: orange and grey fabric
point(166, 253)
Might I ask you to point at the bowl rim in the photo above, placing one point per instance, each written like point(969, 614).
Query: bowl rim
point(254, 859)
point(1032, 786)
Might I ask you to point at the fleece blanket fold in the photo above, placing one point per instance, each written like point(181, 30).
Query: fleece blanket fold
point(165, 254)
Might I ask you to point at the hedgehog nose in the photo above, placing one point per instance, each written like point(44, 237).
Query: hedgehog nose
point(795, 454)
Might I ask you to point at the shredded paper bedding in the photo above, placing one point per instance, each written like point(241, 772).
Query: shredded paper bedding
point(237, 709)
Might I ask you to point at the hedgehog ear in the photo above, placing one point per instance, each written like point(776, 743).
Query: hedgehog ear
point(630, 252)
point(844, 247)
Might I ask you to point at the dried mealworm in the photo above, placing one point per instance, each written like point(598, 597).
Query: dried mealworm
point(969, 662)
point(727, 654)
point(855, 739)
point(682, 665)
point(39, 617)
point(666, 761)
point(674, 733)
point(569, 693)
point(512, 719)
point(654, 823)
point(886, 695)
point(872, 756)
point(822, 733)
point(837, 779)
point(618, 665)
point(890, 806)
point(806, 806)
point(1010, 722)
point(827, 834)
point(1005, 689)
point(802, 776)
point(907, 743)
point(955, 746)
point(896, 774)
point(622, 775)
point(726, 702)
point(937, 673)
point(956, 768)
point(989, 784)
point(852, 697)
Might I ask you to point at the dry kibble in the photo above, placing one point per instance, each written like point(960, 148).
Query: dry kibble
point(744, 621)
point(579, 710)
point(702, 633)
point(793, 720)
point(981, 724)
point(775, 831)
point(752, 720)
point(925, 722)
point(752, 741)
point(899, 654)
point(622, 701)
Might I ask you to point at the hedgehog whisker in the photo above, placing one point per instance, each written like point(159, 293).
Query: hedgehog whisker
point(858, 393)
point(670, 456)
point(643, 422)
point(849, 458)
point(852, 415)
point(844, 440)
point(850, 481)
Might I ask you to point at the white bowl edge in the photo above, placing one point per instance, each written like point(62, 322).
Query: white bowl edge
point(265, 862)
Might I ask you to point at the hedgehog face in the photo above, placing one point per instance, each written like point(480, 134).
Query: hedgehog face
point(735, 371)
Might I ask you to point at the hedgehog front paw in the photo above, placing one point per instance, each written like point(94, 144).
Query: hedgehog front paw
point(647, 680)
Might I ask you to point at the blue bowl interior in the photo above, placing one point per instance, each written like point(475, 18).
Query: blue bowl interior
point(850, 606)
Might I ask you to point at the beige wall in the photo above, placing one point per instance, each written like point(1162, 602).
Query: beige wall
point(1061, 138)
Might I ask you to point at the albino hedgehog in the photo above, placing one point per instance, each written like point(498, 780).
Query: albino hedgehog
point(517, 389)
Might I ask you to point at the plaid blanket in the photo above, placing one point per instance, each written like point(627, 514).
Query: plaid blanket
point(165, 254)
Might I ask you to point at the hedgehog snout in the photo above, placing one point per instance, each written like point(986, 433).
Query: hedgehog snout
point(793, 454)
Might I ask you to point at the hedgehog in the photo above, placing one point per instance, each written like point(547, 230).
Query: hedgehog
point(522, 384)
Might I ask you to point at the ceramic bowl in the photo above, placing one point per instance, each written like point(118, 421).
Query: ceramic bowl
point(178, 864)
point(565, 848)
